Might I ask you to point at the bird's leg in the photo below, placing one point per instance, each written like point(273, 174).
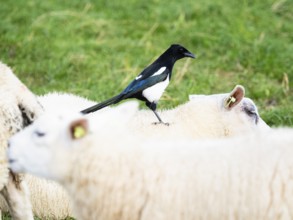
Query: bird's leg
point(160, 120)
point(153, 107)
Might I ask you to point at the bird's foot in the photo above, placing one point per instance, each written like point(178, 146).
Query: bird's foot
point(160, 123)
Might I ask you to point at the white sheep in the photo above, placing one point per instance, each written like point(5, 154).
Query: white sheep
point(112, 174)
point(18, 108)
point(204, 116)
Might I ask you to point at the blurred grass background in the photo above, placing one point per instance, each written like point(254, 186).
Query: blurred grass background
point(95, 48)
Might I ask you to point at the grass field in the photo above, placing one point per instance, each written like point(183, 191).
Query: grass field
point(95, 48)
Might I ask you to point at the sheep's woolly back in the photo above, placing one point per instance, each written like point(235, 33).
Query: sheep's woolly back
point(51, 204)
point(3, 169)
point(58, 101)
point(26, 100)
point(18, 108)
point(247, 178)
point(48, 199)
point(203, 117)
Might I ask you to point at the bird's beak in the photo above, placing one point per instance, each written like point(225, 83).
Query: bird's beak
point(189, 54)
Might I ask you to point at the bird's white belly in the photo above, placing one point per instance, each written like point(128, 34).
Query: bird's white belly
point(154, 93)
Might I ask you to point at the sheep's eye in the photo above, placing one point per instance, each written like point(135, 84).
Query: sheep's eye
point(39, 134)
point(251, 112)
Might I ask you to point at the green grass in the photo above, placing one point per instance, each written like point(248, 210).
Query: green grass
point(95, 48)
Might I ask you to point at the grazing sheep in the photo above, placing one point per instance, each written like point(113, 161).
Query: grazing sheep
point(112, 174)
point(19, 108)
point(204, 116)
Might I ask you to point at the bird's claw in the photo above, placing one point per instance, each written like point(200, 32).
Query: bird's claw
point(160, 122)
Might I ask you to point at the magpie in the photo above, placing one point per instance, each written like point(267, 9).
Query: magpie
point(150, 84)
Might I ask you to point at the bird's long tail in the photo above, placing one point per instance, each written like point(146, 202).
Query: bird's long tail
point(104, 104)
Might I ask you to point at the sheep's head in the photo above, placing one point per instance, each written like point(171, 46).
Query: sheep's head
point(33, 149)
point(235, 111)
point(245, 105)
point(45, 148)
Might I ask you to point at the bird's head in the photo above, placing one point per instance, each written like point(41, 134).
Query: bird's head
point(180, 52)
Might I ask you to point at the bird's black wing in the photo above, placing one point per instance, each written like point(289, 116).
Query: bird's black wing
point(133, 88)
point(140, 84)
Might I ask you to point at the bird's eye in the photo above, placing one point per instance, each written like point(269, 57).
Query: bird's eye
point(39, 133)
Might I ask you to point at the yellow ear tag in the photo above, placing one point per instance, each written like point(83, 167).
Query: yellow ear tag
point(230, 100)
point(79, 132)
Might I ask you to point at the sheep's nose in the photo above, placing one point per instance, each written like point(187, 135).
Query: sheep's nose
point(8, 144)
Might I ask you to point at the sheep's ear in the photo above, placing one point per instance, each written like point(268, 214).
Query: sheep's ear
point(78, 128)
point(28, 105)
point(234, 97)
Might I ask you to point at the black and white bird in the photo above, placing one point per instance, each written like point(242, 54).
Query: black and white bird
point(150, 84)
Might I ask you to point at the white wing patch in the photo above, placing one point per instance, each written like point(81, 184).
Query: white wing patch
point(162, 69)
point(138, 77)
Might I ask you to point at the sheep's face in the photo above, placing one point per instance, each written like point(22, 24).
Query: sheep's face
point(47, 147)
point(40, 148)
point(247, 116)
point(249, 109)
